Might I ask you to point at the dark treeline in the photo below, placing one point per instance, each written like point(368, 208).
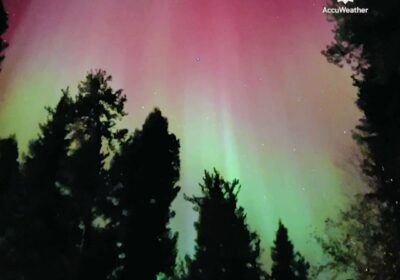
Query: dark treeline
point(92, 201)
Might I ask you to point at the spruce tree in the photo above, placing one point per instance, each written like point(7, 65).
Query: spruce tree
point(147, 170)
point(225, 246)
point(287, 265)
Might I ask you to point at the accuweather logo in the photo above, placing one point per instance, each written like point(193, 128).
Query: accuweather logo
point(346, 1)
point(344, 9)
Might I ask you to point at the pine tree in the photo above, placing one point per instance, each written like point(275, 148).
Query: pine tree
point(287, 265)
point(147, 168)
point(225, 247)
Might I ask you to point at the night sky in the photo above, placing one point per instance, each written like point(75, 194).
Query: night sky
point(242, 82)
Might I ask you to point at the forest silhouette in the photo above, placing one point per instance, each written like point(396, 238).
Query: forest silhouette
point(91, 200)
point(68, 215)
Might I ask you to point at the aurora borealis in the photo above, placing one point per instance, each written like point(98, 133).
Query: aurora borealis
point(243, 84)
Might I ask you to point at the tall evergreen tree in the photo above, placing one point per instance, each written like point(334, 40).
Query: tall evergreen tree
point(370, 44)
point(65, 182)
point(225, 246)
point(57, 222)
point(93, 135)
point(147, 168)
point(287, 265)
point(282, 256)
point(44, 240)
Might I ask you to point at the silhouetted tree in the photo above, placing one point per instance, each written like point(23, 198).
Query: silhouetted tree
point(3, 28)
point(282, 256)
point(225, 247)
point(63, 233)
point(93, 135)
point(147, 169)
point(370, 44)
point(287, 265)
point(58, 222)
point(44, 238)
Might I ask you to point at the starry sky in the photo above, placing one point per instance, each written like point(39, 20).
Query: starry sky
point(242, 82)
